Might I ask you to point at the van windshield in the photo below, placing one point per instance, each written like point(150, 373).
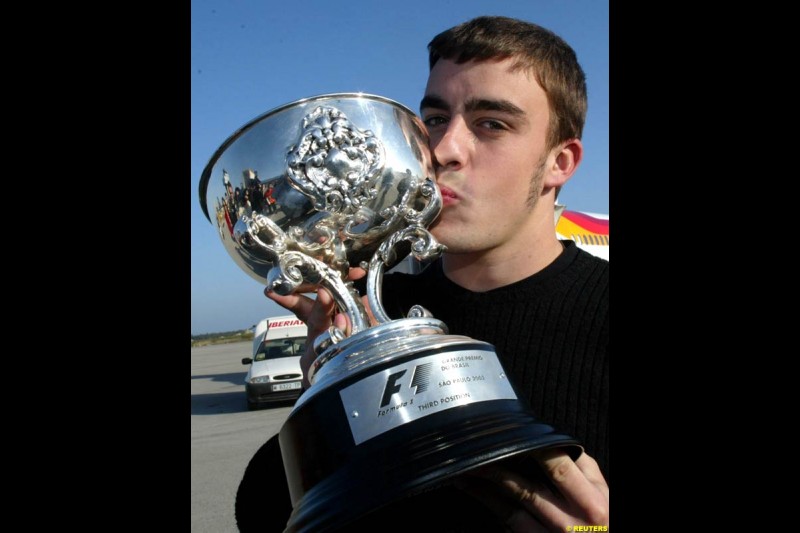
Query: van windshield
point(277, 348)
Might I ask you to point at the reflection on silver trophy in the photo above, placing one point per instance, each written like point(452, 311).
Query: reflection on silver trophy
point(300, 195)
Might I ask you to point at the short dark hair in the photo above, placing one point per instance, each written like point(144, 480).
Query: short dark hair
point(536, 49)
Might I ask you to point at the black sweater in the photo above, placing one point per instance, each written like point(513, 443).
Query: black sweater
point(550, 332)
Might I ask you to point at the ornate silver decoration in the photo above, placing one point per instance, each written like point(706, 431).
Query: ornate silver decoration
point(335, 164)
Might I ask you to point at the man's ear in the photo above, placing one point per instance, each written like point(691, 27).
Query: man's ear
point(565, 160)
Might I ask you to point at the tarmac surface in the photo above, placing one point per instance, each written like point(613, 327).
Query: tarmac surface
point(225, 435)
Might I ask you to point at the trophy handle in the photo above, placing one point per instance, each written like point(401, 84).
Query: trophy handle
point(424, 247)
point(296, 268)
point(262, 237)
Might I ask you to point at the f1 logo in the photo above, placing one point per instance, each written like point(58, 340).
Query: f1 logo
point(420, 380)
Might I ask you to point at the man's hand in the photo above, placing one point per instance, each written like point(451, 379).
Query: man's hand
point(318, 314)
point(577, 494)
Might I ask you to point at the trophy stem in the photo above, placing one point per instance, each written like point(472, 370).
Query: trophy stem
point(347, 298)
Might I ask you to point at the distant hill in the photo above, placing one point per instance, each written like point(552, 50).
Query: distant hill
point(225, 337)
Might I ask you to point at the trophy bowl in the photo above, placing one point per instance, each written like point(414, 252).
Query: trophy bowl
point(400, 407)
point(306, 177)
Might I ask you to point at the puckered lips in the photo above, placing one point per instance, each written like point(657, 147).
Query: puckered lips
point(448, 196)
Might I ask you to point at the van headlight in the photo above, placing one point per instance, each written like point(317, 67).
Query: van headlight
point(260, 379)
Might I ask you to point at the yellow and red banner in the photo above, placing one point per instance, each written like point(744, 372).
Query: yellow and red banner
point(583, 228)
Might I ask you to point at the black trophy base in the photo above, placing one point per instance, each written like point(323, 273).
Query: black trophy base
point(337, 484)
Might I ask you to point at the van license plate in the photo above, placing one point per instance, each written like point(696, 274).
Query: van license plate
point(286, 386)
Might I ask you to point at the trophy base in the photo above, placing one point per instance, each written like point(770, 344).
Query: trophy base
point(401, 419)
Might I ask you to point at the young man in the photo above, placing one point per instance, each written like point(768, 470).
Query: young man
point(504, 106)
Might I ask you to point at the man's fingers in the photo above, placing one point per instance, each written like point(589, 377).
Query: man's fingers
point(342, 322)
point(528, 497)
point(579, 495)
point(322, 311)
point(508, 512)
point(591, 470)
point(356, 273)
point(298, 304)
point(316, 313)
point(583, 487)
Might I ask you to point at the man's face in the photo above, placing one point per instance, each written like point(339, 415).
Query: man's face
point(488, 127)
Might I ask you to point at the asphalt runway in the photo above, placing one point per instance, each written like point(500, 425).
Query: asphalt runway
point(225, 435)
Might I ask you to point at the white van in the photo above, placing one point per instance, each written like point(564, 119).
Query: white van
point(274, 373)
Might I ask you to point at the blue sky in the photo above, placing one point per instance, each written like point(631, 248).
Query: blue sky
point(249, 56)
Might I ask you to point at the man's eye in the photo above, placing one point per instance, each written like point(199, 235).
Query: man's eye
point(434, 121)
point(493, 125)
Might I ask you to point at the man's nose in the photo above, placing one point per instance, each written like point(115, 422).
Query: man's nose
point(450, 147)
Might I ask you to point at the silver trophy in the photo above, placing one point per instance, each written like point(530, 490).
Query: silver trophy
point(301, 194)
